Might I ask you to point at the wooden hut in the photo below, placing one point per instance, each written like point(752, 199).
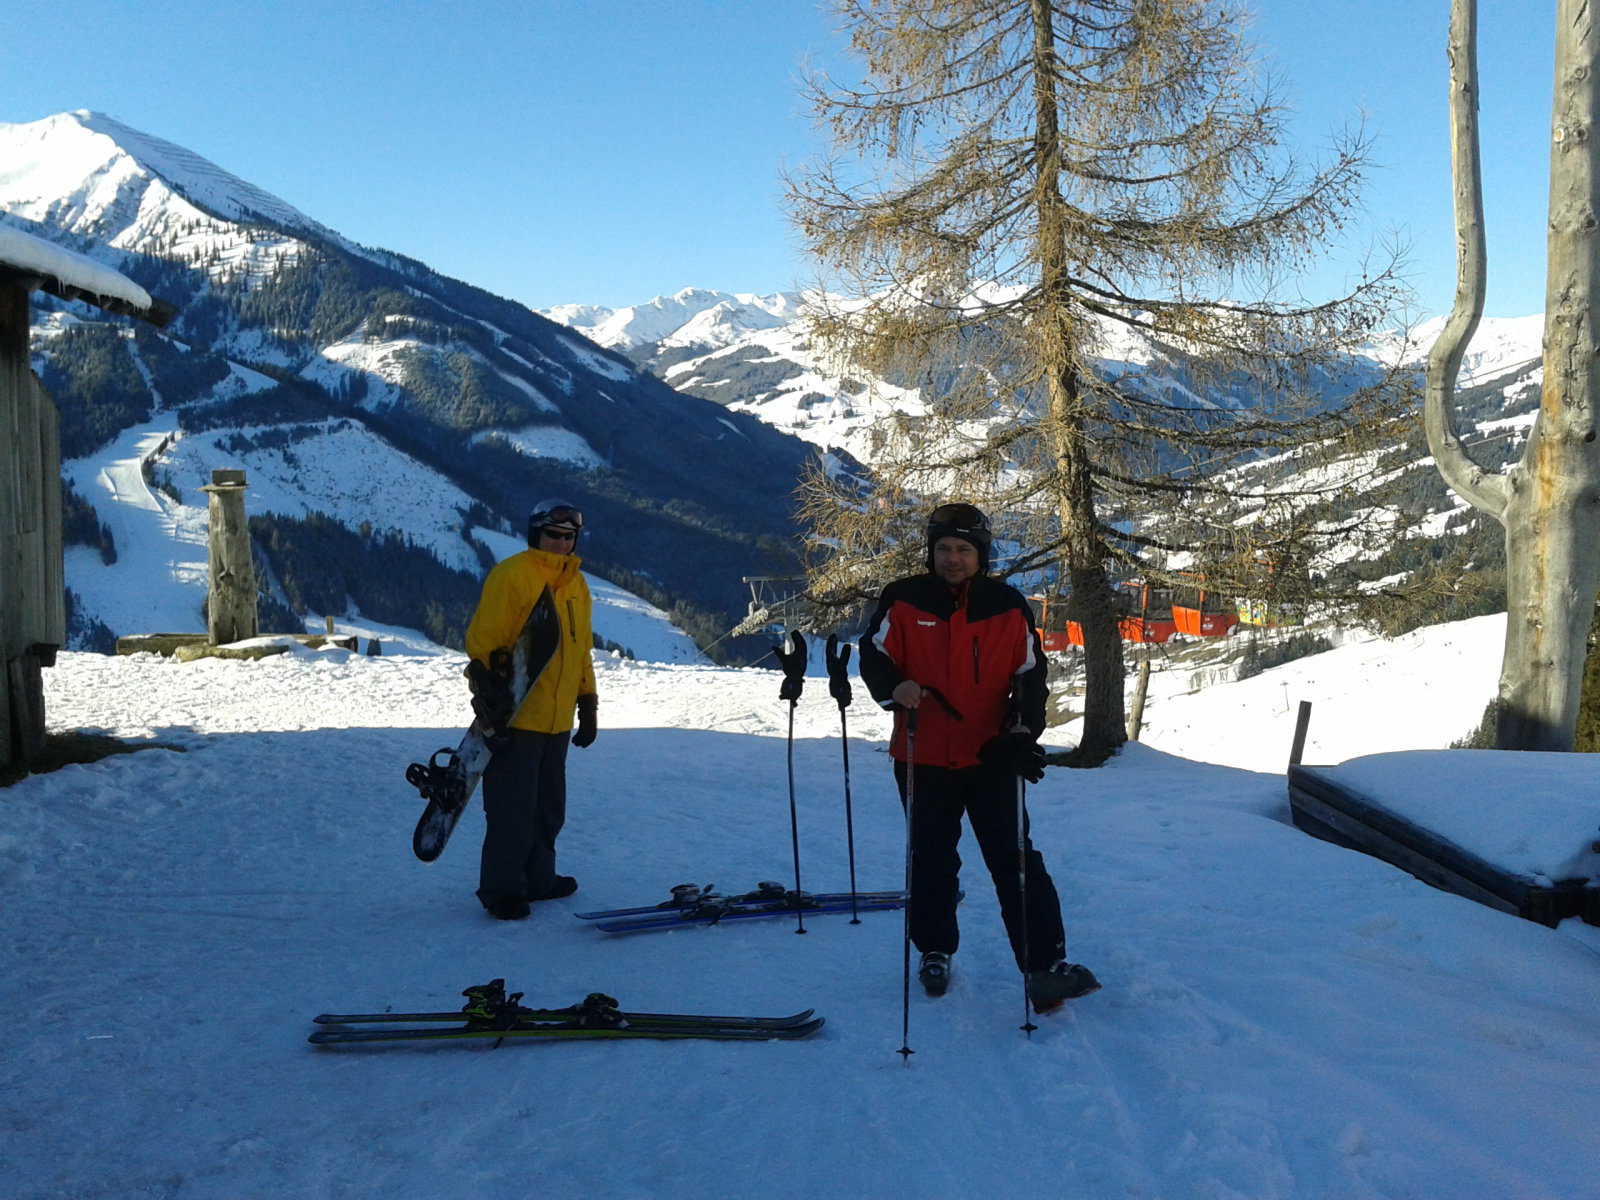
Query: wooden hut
point(32, 573)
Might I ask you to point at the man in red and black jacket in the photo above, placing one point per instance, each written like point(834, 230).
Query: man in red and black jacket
point(960, 650)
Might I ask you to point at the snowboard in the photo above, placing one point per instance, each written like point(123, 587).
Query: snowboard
point(448, 779)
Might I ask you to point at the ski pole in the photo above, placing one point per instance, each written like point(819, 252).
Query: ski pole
point(1027, 1025)
point(794, 677)
point(905, 1050)
point(794, 829)
point(839, 687)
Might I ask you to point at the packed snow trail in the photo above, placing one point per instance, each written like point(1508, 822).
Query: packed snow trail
point(158, 583)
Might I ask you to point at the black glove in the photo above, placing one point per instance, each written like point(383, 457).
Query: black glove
point(1019, 753)
point(492, 701)
point(839, 671)
point(588, 725)
point(793, 662)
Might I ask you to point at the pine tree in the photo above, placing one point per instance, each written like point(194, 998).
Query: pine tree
point(1016, 179)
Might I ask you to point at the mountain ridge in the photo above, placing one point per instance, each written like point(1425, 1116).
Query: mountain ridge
point(753, 353)
point(284, 324)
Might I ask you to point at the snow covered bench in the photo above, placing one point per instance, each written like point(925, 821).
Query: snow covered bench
point(1516, 830)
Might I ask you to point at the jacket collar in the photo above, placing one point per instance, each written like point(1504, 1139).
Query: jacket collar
point(557, 569)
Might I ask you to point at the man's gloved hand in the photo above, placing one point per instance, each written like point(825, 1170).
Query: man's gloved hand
point(492, 702)
point(1018, 752)
point(588, 723)
point(791, 653)
point(839, 671)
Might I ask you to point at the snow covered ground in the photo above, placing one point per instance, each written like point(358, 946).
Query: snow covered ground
point(1280, 1018)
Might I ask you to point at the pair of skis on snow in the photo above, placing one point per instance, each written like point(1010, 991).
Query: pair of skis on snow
point(490, 1014)
point(692, 904)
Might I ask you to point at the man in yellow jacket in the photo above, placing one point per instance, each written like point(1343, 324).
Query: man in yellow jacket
point(525, 785)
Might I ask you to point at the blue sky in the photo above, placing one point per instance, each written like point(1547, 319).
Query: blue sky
point(609, 151)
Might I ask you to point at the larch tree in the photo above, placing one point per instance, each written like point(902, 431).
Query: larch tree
point(1013, 187)
point(1549, 501)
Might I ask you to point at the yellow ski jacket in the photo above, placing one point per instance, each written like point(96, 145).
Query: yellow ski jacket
point(508, 597)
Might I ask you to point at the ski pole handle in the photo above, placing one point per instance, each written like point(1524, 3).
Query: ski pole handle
point(791, 654)
point(838, 671)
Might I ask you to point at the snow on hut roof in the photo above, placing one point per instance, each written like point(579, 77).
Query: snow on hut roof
point(74, 276)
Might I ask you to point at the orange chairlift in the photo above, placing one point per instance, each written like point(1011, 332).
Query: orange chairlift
point(1144, 614)
point(1055, 631)
point(1201, 613)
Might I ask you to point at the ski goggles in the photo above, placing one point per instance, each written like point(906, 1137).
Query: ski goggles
point(958, 520)
point(562, 518)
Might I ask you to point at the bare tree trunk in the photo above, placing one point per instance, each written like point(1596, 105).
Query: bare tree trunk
point(1091, 603)
point(1553, 518)
point(1104, 726)
point(1482, 490)
point(1550, 501)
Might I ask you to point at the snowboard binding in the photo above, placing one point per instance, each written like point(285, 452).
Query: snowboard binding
point(441, 780)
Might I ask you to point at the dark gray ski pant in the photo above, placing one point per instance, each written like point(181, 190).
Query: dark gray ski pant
point(525, 806)
point(988, 797)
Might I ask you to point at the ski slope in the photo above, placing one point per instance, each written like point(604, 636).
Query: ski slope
point(1280, 1018)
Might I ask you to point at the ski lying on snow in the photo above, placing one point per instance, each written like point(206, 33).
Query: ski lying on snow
point(491, 1013)
point(573, 1012)
point(713, 913)
point(571, 1030)
point(688, 897)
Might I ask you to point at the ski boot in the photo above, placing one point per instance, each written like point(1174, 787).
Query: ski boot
point(934, 973)
point(1055, 985)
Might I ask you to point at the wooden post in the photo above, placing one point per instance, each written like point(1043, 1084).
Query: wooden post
point(32, 612)
point(231, 600)
point(27, 708)
point(1136, 712)
point(1300, 725)
point(53, 582)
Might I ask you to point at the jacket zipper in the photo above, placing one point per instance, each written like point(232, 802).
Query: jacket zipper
point(976, 678)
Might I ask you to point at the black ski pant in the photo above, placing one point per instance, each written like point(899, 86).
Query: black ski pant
point(525, 806)
point(988, 797)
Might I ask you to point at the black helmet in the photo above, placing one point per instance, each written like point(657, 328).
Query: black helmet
point(554, 514)
point(964, 521)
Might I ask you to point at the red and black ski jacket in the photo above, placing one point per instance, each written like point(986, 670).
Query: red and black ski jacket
point(977, 645)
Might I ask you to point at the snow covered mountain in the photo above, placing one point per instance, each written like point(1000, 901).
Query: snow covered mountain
point(753, 354)
point(749, 353)
point(693, 319)
point(359, 385)
point(87, 173)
